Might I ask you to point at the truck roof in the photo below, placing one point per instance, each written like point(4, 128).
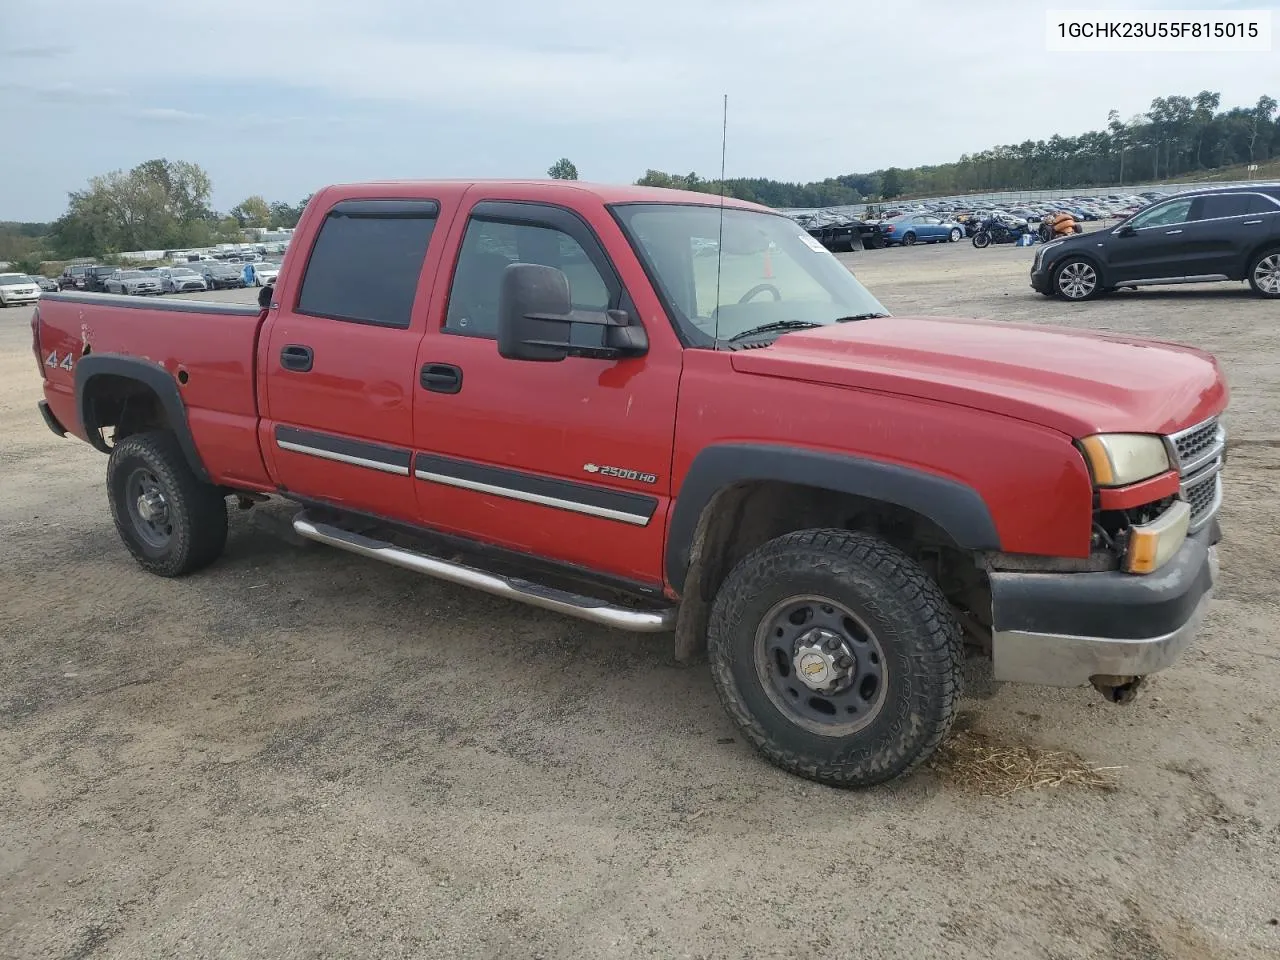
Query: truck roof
point(548, 189)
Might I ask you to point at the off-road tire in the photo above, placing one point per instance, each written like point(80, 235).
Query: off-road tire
point(921, 639)
point(197, 510)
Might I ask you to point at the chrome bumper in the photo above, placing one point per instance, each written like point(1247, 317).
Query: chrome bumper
point(1070, 658)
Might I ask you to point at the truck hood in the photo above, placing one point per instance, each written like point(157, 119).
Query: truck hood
point(1074, 381)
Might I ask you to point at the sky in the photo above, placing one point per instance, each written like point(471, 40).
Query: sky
point(279, 97)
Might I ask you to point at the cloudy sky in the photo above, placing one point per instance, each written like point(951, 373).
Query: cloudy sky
point(280, 96)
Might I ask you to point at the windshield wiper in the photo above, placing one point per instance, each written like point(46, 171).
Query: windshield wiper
point(861, 316)
point(776, 325)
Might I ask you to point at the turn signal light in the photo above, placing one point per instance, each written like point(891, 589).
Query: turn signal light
point(1151, 545)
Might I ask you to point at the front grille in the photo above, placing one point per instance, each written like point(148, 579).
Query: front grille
point(1198, 445)
point(1198, 452)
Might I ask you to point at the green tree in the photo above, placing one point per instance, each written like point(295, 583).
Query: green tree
point(252, 212)
point(891, 184)
point(563, 169)
point(157, 204)
point(286, 215)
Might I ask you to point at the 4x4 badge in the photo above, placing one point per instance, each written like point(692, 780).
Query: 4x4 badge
point(52, 361)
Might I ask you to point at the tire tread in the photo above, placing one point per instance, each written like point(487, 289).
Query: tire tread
point(911, 596)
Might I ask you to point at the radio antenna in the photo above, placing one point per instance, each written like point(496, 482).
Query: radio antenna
point(724, 137)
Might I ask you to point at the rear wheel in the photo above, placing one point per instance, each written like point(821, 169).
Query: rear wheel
point(955, 235)
point(1264, 273)
point(172, 522)
point(982, 239)
point(837, 656)
point(908, 239)
point(1077, 279)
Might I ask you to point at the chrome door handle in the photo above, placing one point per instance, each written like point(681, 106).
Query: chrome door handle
point(1249, 223)
point(1170, 233)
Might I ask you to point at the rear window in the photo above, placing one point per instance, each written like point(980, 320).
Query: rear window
point(366, 261)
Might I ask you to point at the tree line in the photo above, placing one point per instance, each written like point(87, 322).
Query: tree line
point(1177, 136)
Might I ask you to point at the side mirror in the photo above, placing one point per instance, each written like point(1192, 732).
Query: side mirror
point(536, 320)
point(265, 295)
point(1124, 230)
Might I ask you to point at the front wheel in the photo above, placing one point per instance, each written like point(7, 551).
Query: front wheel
point(982, 239)
point(955, 235)
point(1077, 279)
point(172, 522)
point(837, 656)
point(1264, 273)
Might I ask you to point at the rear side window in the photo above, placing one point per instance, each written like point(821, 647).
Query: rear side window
point(1224, 205)
point(367, 259)
point(1264, 204)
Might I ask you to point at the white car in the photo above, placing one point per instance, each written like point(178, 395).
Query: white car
point(180, 280)
point(17, 288)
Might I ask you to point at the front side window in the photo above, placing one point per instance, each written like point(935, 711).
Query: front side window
point(1176, 211)
point(490, 246)
point(366, 262)
point(767, 271)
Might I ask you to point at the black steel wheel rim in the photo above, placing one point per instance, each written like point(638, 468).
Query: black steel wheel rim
point(798, 632)
point(148, 508)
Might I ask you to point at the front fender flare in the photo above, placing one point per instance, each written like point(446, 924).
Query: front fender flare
point(151, 375)
point(955, 507)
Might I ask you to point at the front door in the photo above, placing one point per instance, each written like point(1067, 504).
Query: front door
point(1156, 247)
point(338, 419)
point(566, 460)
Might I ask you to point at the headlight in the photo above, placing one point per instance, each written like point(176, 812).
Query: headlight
point(1117, 459)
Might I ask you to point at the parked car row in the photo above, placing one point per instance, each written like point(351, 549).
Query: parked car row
point(192, 277)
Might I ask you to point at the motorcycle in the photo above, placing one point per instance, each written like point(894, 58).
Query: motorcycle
point(1047, 233)
point(995, 230)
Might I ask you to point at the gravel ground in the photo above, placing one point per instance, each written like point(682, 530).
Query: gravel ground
point(303, 754)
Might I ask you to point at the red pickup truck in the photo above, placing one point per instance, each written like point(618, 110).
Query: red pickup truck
point(658, 412)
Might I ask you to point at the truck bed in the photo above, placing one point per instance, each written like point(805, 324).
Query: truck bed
point(207, 348)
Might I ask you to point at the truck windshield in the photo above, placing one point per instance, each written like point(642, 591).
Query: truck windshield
point(772, 274)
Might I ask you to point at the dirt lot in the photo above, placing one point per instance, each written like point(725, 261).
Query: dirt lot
point(303, 754)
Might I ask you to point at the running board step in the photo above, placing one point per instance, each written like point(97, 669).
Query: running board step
point(548, 598)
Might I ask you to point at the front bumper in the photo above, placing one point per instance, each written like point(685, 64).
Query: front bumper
point(1060, 629)
point(1041, 282)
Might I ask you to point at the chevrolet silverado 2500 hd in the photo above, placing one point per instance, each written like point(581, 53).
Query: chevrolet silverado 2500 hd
point(652, 412)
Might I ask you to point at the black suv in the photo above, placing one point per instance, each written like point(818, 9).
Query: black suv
point(95, 278)
point(1231, 233)
point(73, 277)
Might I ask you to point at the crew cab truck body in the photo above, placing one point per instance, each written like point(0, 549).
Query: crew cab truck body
point(647, 410)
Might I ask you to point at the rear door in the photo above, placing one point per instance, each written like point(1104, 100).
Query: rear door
point(1218, 235)
point(339, 361)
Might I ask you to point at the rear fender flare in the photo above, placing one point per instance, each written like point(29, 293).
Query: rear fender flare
point(149, 374)
point(956, 508)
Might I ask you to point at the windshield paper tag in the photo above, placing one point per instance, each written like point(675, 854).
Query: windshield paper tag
point(811, 243)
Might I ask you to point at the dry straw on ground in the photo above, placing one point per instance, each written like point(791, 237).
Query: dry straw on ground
point(981, 763)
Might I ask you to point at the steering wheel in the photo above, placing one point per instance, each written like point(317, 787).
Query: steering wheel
point(761, 288)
